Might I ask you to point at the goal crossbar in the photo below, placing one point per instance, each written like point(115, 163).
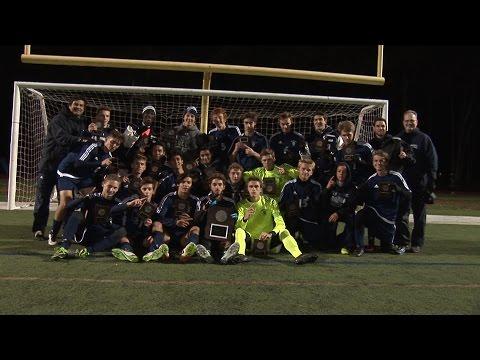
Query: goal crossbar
point(35, 103)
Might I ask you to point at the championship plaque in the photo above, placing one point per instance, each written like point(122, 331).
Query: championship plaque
point(146, 210)
point(245, 140)
point(269, 186)
point(181, 207)
point(319, 145)
point(99, 125)
point(349, 154)
point(293, 209)
point(260, 247)
point(101, 214)
point(220, 224)
point(385, 189)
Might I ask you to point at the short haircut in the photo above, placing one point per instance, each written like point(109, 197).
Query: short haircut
point(413, 112)
point(112, 177)
point(382, 154)
point(182, 177)
point(174, 153)
point(117, 135)
point(103, 108)
point(139, 157)
point(76, 98)
point(267, 151)
point(307, 161)
point(218, 111)
point(216, 175)
point(379, 119)
point(254, 178)
point(204, 148)
point(148, 180)
point(321, 114)
point(251, 115)
point(235, 165)
point(285, 115)
point(346, 125)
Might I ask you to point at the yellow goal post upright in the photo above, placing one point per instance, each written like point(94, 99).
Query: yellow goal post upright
point(34, 104)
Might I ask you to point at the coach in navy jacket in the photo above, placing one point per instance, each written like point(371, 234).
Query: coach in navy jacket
point(421, 176)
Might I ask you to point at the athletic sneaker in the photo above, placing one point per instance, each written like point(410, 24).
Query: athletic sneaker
point(52, 240)
point(358, 252)
point(306, 258)
point(60, 253)
point(230, 253)
point(124, 255)
point(156, 254)
point(398, 250)
point(204, 254)
point(39, 235)
point(82, 253)
point(344, 251)
point(187, 252)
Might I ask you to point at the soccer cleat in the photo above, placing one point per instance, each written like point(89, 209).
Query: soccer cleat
point(305, 258)
point(82, 253)
point(358, 252)
point(156, 254)
point(52, 240)
point(187, 252)
point(204, 254)
point(60, 253)
point(124, 255)
point(398, 250)
point(231, 252)
point(39, 235)
point(344, 251)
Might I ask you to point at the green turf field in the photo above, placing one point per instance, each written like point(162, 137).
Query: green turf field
point(444, 279)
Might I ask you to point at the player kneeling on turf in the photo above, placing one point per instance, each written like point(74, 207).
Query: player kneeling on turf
point(383, 193)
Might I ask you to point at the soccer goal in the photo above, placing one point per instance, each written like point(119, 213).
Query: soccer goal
point(35, 104)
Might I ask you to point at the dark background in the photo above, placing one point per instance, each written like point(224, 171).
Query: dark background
point(439, 82)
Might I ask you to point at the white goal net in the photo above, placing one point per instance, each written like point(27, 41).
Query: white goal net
point(37, 103)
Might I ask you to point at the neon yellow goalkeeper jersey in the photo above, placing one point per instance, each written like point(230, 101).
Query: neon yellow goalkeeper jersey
point(280, 180)
point(266, 217)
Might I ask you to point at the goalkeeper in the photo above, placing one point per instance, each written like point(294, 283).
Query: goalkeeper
point(259, 218)
point(273, 177)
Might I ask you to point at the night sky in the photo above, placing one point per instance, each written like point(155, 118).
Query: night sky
point(439, 82)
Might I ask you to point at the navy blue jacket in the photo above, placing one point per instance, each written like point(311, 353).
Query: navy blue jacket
point(308, 194)
point(257, 142)
point(166, 211)
point(424, 172)
point(287, 147)
point(64, 133)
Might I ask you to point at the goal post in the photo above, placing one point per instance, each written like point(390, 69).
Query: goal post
point(37, 103)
